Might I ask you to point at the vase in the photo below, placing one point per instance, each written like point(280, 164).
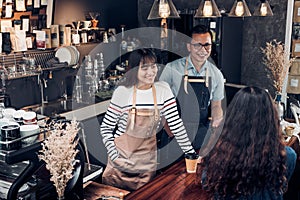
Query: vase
point(279, 105)
point(94, 23)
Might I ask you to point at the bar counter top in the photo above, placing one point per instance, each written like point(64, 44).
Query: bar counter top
point(174, 183)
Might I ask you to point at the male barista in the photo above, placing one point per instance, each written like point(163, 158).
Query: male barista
point(197, 83)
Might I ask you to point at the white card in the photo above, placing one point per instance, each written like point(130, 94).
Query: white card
point(294, 82)
point(36, 4)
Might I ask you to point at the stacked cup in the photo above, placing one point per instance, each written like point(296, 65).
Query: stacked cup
point(9, 133)
point(29, 118)
point(30, 127)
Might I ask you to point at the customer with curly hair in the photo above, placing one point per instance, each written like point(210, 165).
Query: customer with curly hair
point(249, 160)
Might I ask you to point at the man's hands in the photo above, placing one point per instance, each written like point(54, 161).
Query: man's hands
point(216, 122)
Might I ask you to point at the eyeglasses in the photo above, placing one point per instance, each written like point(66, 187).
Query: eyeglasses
point(198, 46)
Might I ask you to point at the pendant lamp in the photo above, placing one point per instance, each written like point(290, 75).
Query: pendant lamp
point(239, 9)
point(163, 9)
point(207, 8)
point(263, 9)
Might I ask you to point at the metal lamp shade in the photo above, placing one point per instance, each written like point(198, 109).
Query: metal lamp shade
point(167, 11)
point(263, 9)
point(207, 8)
point(239, 9)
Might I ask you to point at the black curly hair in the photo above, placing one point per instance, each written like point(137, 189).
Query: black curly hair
point(249, 155)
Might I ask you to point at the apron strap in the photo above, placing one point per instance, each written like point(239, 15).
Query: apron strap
point(206, 77)
point(185, 67)
point(186, 77)
point(133, 109)
point(156, 117)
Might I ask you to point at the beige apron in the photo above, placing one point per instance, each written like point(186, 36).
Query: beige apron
point(138, 145)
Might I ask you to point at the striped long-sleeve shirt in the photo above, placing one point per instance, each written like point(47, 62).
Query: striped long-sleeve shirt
point(121, 102)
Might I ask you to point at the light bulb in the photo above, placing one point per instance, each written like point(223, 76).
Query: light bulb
point(164, 9)
point(263, 9)
point(239, 10)
point(207, 9)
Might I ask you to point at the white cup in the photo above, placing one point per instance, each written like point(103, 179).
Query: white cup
point(27, 130)
point(84, 37)
point(87, 24)
point(75, 38)
point(9, 113)
point(29, 117)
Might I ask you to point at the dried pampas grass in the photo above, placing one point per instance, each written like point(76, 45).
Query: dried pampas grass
point(59, 151)
point(277, 62)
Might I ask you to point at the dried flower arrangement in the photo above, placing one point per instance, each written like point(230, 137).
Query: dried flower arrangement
point(277, 62)
point(59, 151)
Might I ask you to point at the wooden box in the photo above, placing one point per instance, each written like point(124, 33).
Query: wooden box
point(296, 17)
point(295, 67)
point(293, 85)
point(296, 48)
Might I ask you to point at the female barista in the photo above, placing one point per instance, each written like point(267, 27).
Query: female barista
point(135, 112)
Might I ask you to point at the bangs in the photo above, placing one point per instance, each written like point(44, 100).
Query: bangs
point(148, 59)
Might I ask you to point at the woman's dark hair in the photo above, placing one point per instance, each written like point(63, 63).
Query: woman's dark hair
point(136, 57)
point(249, 155)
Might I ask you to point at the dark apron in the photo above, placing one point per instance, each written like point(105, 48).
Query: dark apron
point(193, 100)
point(137, 144)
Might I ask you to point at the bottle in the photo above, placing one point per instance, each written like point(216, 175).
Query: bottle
point(78, 89)
point(75, 38)
point(123, 42)
point(84, 38)
point(213, 26)
point(280, 106)
point(135, 42)
point(97, 66)
point(102, 66)
point(105, 38)
point(89, 63)
point(130, 45)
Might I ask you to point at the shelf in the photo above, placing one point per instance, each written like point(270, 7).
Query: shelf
point(89, 29)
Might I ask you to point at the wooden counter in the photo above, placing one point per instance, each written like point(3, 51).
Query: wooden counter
point(174, 183)
point(93, 190)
